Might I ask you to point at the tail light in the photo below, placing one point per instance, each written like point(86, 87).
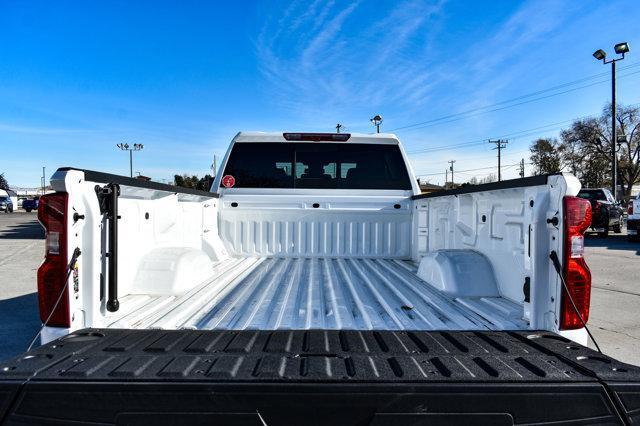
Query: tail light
point(577, 218)
point(52, 274)
point(630, 207)
point(596, 209)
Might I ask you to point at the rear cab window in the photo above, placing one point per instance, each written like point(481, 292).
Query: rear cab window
point(317, 166)
point(592, 194)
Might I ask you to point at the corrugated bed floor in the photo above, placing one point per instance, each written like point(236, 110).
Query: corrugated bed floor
point(312, 293)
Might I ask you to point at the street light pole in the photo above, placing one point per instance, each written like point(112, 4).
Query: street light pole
point(601, 55)
point(126, 147)
point(377, 120)
point(614, 142)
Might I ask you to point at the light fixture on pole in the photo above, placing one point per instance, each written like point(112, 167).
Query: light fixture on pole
point(377, 120)
point(601, 55)
point(126, 147)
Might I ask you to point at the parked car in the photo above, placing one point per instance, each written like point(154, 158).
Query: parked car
point(633, 218)
point(314, 284)
point(6, 205)
point(31, 204)
point(607, 213)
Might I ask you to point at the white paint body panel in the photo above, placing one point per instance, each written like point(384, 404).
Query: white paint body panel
point(462, 273)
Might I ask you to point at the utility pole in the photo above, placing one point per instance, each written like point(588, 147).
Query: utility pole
point(451, 168)
point(377, 120)
point(44, 180)
point(500, 145)
point(214, 166)
point(446, 178)
point(338, 127)
point(522, 168)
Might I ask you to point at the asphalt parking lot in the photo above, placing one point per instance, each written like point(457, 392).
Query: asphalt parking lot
point(21, 251)
point(614, 263)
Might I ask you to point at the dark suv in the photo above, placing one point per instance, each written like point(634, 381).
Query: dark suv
point(607, 212)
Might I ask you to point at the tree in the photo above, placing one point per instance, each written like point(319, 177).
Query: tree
point(586, 148)
point(194, 182)
point(205, 183)
point(3, 182)
point(545, 156)
point(491, 177)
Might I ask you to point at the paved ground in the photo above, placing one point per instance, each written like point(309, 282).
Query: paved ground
point(614, 262)
point(21, 252)
point(615, 298)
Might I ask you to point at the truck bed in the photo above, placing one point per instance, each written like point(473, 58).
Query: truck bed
point(171, 377)
point(316, 293)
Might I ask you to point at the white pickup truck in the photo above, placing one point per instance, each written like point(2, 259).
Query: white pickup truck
point(302, 233)
point(323, 238)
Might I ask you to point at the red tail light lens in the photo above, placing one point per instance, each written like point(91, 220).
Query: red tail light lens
point(52, 274)
point(577, 218)
point(630, 207)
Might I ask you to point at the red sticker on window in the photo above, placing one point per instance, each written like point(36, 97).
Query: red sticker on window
point(228, 181)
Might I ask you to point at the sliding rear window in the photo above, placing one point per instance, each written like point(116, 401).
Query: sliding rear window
point(317, 166)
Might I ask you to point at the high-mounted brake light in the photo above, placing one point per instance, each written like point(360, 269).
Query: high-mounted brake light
point(329, 137)
point(52, 274)
point(577, 218)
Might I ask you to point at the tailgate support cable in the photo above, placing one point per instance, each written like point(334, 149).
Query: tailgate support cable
point(108, 199)
point(556, 264)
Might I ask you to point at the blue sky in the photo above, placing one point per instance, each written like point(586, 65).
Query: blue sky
point(183, 77)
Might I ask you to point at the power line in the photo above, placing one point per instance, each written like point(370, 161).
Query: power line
point(479, 110)
point(513, 135)
point(471, 170)
point(476, 158)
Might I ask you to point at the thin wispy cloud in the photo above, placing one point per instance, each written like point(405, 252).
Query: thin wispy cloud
point(313, 64)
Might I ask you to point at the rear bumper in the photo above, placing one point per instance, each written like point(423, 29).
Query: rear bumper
point(599, 223)
point(316, 377)
point(633, 226)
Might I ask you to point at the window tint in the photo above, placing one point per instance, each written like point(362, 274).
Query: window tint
point(261, 165)
point(309, 165)
point(609, 195)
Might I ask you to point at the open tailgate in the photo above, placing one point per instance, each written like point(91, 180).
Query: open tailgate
point(110, 376)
